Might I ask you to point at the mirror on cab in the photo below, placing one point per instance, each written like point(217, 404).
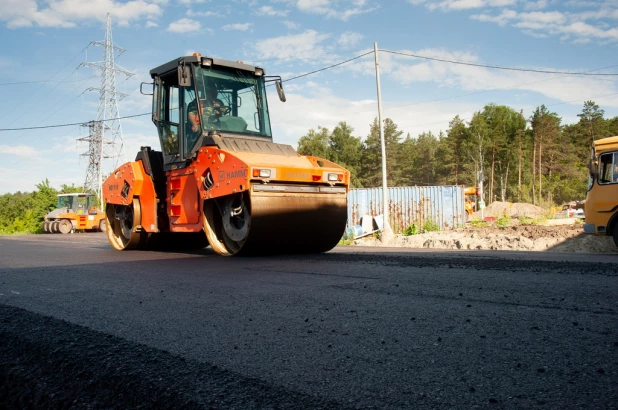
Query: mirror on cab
point(141, 88)
point(280, 91)
point(592, 164)
point(184, 76)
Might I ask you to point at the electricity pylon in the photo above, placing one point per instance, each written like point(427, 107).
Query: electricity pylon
point(105, 137)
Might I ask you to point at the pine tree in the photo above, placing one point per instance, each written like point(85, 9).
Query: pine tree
point(345, 150)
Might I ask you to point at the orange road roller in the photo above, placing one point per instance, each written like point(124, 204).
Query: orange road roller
point(219, 180)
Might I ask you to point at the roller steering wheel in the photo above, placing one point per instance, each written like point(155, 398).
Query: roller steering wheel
point(220, 110)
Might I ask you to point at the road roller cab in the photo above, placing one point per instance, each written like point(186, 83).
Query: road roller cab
point(219, 178)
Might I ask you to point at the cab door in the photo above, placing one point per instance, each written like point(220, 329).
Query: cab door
point(183, 201)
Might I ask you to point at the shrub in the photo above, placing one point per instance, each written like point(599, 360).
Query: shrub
point(477, 223)
point(524, 220)
point(504, 221)
point(413, 229)
point(430, 226)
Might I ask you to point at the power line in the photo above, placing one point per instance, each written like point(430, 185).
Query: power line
point(72, 124)
point(464, 95)
point(498, 67)
point(47, 81)
point(329, 67)
point(57, 72)
point(286, 59)
point(140, 115)
point(358, 112)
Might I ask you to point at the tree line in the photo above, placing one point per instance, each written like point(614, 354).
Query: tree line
point(23, 212)
point(537, 160)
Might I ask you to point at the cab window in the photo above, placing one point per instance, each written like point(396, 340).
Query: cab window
point(608, 168)
point(169, 117)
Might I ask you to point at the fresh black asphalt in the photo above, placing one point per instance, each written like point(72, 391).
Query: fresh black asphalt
point(83, 326)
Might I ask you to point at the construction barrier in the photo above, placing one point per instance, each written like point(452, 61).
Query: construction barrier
point(438, 207)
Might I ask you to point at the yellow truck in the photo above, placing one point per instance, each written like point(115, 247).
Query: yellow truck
point(601, 208)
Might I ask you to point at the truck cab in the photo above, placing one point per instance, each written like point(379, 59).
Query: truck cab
point(601, 208)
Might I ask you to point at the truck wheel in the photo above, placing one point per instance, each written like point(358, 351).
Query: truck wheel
point(615, 234)
point(46, 227)
point(65, 226)
point(102, 226)
point(53, 227)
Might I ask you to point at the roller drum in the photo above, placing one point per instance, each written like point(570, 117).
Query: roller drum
point(281, 223)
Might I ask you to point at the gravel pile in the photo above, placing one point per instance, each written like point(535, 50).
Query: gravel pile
point(512, 209)
point(561, 238)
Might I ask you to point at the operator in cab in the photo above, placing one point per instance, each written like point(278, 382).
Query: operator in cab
point(210, 109)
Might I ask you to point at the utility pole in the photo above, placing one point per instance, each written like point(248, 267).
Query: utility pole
point(105, 139)
point(387, 232)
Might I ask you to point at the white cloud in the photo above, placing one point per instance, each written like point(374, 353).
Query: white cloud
point(478, 79)
point(502, 19)
point(536, 5)
point(290, 25)
point(237, 26)
point(349, 39)
point(184, 26)
point(270, 11)
point(304, 46)
point(314, 105)
point(579, 21)
point(68, 13)
point(340, 10)
point(150, 24)
point(193, 13)
point(18, 150)
point(461, 4)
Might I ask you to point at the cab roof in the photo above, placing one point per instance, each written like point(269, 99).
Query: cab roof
point(172, 65)
point(606, 144)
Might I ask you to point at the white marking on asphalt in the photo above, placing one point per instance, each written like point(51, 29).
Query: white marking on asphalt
point(17, 293)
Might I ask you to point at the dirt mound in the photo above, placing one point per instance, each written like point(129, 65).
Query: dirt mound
point(561, 238)
point(512, 209)
point(530, 231)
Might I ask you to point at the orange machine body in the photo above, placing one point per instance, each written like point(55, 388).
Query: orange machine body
point(186, 189)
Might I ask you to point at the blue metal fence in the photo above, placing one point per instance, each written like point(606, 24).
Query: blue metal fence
point(442, 205)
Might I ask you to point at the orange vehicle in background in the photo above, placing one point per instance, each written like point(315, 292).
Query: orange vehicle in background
point(601, 208)
point(74, 212)
point(469, 192)
point(219, 178)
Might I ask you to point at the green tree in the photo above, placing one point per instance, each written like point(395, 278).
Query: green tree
point(345, 150)
point(371, 169)
point(24, 212)
point(315, 143)
point(474, 147)
point(426, 161)
point(546, 132)
point(451, 147)
point(591, 118)
point(407, 160)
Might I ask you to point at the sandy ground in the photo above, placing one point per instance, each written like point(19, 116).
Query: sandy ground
point(560, 238)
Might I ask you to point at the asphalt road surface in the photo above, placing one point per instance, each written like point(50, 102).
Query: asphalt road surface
point(84, 326)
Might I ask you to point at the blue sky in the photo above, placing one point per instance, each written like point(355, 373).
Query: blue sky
point(43, 42)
